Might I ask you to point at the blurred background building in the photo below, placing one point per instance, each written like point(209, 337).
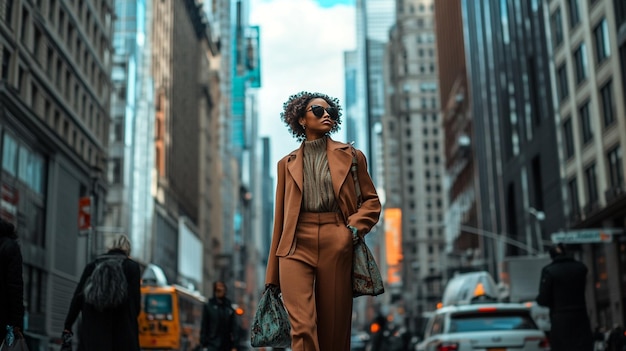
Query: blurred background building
point(54, 120)
point(492, 130)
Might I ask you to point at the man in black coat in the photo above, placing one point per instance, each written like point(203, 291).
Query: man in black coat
point(219, 322)
point(115, 328)
point(562, 289)
point(11, 283)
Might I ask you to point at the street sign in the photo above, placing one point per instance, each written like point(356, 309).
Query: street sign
point(585, 236)
point(84, 214)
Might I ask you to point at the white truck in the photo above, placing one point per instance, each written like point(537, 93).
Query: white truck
point(520, 279)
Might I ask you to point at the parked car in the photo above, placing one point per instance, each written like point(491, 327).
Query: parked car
point(483, 327)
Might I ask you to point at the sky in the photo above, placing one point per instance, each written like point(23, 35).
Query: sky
point(302, 46)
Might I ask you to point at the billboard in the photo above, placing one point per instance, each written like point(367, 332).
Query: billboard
point(393, 243)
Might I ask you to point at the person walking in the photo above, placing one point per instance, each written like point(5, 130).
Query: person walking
point(562, 290)
point(219, 328)
point(11, 282)
point(316, 220)
point(616, 339)
point(112, 327)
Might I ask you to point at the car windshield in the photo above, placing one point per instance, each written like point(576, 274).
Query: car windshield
point(507, 320)
point(158, 303)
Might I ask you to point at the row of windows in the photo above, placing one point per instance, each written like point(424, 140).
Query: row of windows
point(585, 120)
point(22, 163)
point(43, 106)
point(33, 37)
point(421, 8)
point(614, 164)
point(92, 31)
point(602, 52)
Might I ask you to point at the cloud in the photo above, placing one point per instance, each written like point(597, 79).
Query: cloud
point(302, 47)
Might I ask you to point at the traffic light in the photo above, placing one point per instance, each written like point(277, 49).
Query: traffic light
point(374, 328)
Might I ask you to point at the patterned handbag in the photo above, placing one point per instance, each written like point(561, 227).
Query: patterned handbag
point(270, 326)
point(18, 343)
point(366, 278)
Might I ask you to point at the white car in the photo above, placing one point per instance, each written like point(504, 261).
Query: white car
point(483, 327)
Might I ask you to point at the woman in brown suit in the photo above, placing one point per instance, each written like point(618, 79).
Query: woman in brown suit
point(315, 222)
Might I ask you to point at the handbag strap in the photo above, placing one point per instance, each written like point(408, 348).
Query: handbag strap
point(355, 177)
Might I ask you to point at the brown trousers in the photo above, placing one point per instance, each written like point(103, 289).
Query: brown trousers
point(316, 283)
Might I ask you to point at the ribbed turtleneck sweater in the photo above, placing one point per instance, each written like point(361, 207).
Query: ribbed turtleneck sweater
point(318, 195)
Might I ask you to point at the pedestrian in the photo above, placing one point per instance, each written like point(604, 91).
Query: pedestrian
point(11, 282)
point(219, 322)
point(562, 290)
point(108, 327)
point(616, 339)
point(599, 344)
point(316, 220)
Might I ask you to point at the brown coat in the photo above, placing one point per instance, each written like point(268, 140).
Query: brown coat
point(289, 199)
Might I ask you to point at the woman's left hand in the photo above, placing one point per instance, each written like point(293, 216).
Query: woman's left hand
point(355, 235)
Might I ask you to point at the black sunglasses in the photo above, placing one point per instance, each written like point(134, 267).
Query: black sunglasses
point(318, 111)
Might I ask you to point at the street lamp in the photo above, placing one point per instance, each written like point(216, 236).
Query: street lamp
point(539, 217)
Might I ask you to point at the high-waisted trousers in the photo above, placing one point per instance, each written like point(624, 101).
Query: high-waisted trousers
point(316, 283)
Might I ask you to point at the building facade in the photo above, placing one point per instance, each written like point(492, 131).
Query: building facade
point(130, 206)
point(455, 97)
point(55, 66)
point(589, 55)
point(185, 69)
point(515, 149)
point(414, 160)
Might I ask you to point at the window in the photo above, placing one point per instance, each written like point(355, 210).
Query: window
point(574, 13)
point(437, 325)
point(568, 136)
point(9, 155)
point(51, 8)
point(158, 303)
point(118, 129)
point(585, 123)
point(37, 45)
point(608, 105)
point(592, 184)
point(8, 11)
point(616, 175)
point(30, 169)
point(115, 171)
point(49, 62)
point(622, 60)
point(557, 27)
point(620, 11)
point(6, 59)
point(580, 62)
point(34, 290)
point(572, 188)
point(562, 83)
point(601, 36)
point(24, 27)
point(492, 321)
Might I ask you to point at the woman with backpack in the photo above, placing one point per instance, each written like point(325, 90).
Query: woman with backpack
point(109, 297)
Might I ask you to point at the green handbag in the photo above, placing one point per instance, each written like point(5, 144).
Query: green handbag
point(270, 325)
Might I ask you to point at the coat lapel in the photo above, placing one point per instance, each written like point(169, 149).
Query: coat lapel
point(296, 165)
point(339, 162)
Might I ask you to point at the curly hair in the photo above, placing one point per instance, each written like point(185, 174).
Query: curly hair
point(295, 107)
